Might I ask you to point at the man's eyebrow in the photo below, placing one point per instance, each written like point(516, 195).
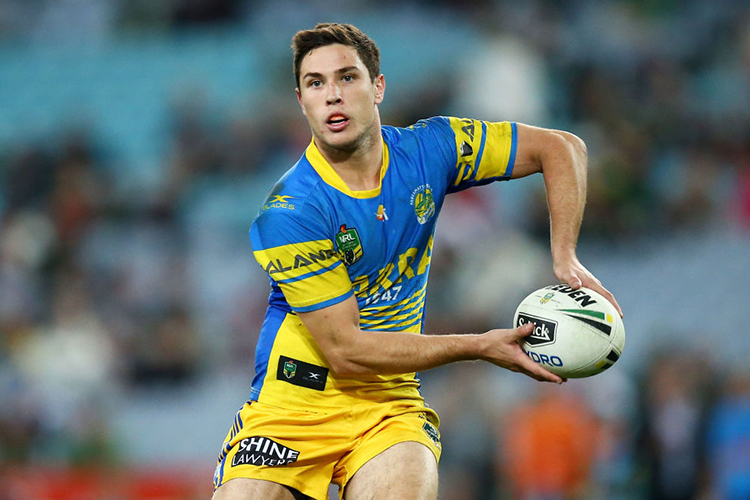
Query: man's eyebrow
point(347, 69)
point(311, 74)
point(314, 74)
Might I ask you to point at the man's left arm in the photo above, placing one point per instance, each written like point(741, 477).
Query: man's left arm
point(562, 159)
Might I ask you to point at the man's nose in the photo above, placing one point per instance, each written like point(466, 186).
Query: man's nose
point(334, 94)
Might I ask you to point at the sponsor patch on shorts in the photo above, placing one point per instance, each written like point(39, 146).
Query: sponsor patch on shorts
point(259, 450)
point(302, 374)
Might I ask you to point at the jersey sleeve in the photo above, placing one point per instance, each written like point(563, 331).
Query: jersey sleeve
point(480, 152)
point(297, 255)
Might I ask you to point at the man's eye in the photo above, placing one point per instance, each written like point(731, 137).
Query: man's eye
point(315, 83)
point(348, 78)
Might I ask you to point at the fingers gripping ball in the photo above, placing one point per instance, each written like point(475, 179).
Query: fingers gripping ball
point(577, 333)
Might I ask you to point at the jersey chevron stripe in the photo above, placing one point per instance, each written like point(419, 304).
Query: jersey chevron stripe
point(325, 303)
point(404, 312)
point(404, 304)
point(404, 320)
point(416, 311)
point(309, 274)
point(311, 292)
point(395, 325)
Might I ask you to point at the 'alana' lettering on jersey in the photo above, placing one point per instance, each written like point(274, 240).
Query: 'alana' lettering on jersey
point(300, 260)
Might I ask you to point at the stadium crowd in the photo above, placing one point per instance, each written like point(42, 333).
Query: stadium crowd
point(113, 283)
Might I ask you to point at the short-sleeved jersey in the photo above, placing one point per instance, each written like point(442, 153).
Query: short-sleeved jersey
point(320, 243)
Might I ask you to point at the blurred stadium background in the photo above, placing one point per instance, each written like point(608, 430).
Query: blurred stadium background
point(138, 138)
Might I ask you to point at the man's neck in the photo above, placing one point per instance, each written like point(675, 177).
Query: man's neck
point(359, 169)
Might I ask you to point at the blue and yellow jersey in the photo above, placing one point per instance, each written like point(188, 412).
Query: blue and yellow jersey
point(320, 243)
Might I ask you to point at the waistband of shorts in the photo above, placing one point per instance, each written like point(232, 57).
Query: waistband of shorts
point(346, 403)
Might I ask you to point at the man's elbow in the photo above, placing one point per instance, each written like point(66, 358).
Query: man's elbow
point(574, 144)
point(345, 364)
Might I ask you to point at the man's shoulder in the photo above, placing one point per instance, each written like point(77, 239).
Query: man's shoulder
point(428, 135)
point(293, 199)
point(300, 183)
point(422, 128)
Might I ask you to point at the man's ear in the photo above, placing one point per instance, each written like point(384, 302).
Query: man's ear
point(299, 100)
point(379, 89)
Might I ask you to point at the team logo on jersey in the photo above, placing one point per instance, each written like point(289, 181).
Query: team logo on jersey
point(349, 244)
point(423, 203)
point(380, 214)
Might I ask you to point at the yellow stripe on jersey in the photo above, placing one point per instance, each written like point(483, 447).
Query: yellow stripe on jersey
point(308, 273)
point(497, 150)
point(394, 323)
point(410, 312)
point(482, 148)
point(329, 175)
point(407, 303)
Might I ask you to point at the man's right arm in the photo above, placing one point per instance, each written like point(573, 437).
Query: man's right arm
point(352, 351)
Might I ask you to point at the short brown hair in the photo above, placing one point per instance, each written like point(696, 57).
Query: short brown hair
point(331, 33)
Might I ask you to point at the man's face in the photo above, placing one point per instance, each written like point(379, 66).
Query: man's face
point(338, 97)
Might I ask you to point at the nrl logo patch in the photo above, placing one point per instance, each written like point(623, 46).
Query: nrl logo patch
point(290, 369)
point(302, 374)
point(349, 244)
point(423, 203)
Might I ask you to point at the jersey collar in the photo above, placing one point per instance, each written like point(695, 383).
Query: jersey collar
point(330, 177)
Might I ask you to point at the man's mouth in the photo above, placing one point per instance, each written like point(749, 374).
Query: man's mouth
point(337, 122)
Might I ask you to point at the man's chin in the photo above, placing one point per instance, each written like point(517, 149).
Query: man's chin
point(339, 145)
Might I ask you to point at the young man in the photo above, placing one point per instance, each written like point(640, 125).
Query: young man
point(346, 238)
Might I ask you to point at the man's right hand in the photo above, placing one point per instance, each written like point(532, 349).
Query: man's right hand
point(503, 348)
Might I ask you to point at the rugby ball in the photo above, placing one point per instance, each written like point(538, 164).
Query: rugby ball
point(577, 333)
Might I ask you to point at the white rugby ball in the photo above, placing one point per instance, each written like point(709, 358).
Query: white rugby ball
point(577, 333)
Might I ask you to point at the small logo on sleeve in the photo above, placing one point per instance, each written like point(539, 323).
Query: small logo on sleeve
point(349, 244)
point(302, 374)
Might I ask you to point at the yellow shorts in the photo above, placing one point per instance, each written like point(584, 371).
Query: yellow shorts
point(308, 451)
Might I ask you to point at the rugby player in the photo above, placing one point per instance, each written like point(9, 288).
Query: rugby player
point(346, 238)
